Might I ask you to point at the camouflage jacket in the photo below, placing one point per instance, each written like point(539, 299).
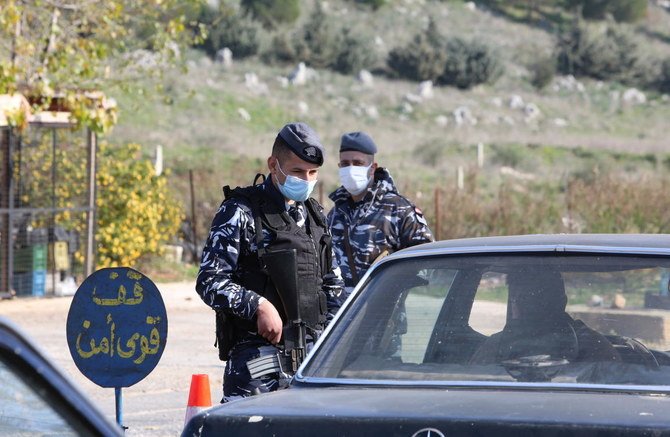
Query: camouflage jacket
point(382, 221)
point(233, 235)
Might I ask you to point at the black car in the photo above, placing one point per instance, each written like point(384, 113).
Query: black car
point(522, 335)
point(36, 399)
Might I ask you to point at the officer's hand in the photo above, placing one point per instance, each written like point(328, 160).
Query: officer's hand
point(269, 322)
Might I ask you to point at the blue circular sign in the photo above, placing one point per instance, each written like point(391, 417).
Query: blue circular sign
point(116, 327)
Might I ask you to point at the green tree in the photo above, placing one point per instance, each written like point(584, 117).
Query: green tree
point(272, 13)
point(423, 58)
point(318, 42)
point(136, 212)
point(621, 10)
point(50, 47)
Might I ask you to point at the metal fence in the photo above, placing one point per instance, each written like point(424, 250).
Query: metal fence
point(47, 209)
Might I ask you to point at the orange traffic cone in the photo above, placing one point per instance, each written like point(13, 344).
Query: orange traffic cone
point(199, 397)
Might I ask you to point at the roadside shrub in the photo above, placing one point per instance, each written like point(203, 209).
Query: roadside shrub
point(280, 50)
point(239, 33)
point(317, 43)
point(356, 52)
point(542, 72)
point(612, 54)
point(469, 63)
point(375, 4)
point(662, 82)
point(618, 203)
point(136, 213)
point(272, 13)
point(627, 11)
point(423, 58)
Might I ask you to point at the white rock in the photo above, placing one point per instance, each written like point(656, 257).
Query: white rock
point(560, 122)
point(463, 116)
point(516, 174)
point(531, 111)
point(244, 114)
point(250, 80)
point(442, 120)
point(596, 301)
point(634, 96)
point(283, 81)
point(413, 98)
point(516, 102)
point(366, 78)
point(497, 102)
point(301, 74)
point(303, 107)
point(372, 112)
point(471, 6)
point(224, 57)
point(426, 89)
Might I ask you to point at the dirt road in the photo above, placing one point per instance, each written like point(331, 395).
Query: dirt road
point(156, 405)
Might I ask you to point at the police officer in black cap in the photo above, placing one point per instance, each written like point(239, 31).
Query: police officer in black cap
point(274, 214)
point(370, 218)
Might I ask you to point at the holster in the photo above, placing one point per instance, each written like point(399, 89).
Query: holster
point(224, 335)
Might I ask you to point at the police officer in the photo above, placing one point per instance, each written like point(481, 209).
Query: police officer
point(234, 279)
point(370, 218)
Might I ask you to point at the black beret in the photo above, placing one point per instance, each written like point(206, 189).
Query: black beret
point(358, 142)
point(303, 141)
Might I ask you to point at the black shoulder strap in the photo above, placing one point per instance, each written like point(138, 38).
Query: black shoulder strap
point(314, 209)
point(254, 196)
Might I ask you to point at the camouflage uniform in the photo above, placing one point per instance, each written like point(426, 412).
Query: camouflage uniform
point(232, 237)
point(382, 221)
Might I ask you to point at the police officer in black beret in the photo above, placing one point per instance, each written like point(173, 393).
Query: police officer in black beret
point(370, 218)
point(238, 279)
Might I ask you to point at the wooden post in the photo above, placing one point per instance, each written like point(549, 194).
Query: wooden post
point(438, 215)
point(480, 155)
point(89, 261)
point(193, 219)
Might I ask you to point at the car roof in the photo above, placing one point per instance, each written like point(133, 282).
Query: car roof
point(621, 243)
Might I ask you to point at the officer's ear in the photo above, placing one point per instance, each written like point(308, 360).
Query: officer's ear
point(272, 163)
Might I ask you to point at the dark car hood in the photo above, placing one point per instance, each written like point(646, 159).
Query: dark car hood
point(405, 411)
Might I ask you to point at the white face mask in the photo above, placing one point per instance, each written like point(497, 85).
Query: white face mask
point(355, 179)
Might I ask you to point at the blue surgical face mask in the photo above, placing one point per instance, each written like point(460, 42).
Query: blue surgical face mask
point(295, 188)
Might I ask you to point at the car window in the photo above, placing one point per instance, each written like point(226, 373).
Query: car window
point(570, 319)
point(23, 410)
point(489, 310)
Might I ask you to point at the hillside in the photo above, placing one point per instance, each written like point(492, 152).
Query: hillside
point(220, 122)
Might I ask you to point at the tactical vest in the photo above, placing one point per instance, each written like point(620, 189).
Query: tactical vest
point(313, 246)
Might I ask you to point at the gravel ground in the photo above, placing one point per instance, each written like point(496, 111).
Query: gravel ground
point(156, 405)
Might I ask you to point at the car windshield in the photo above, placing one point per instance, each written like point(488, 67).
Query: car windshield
point(478, 319)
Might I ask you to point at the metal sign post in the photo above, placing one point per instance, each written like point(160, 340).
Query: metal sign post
point(117, 329)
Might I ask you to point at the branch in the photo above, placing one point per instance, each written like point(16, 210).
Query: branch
point(51, 41)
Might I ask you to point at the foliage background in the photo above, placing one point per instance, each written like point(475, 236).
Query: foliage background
point(587, 160)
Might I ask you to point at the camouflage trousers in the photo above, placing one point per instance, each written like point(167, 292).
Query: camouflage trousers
point(237, 382)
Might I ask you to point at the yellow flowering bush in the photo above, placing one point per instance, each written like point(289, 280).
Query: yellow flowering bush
point(136, 213)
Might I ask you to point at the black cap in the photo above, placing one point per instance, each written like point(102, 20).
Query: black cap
point(303, 141)
point(358, 142)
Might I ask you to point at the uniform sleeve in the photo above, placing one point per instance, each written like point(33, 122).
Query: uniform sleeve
point(232, 230)
point(414, 228)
